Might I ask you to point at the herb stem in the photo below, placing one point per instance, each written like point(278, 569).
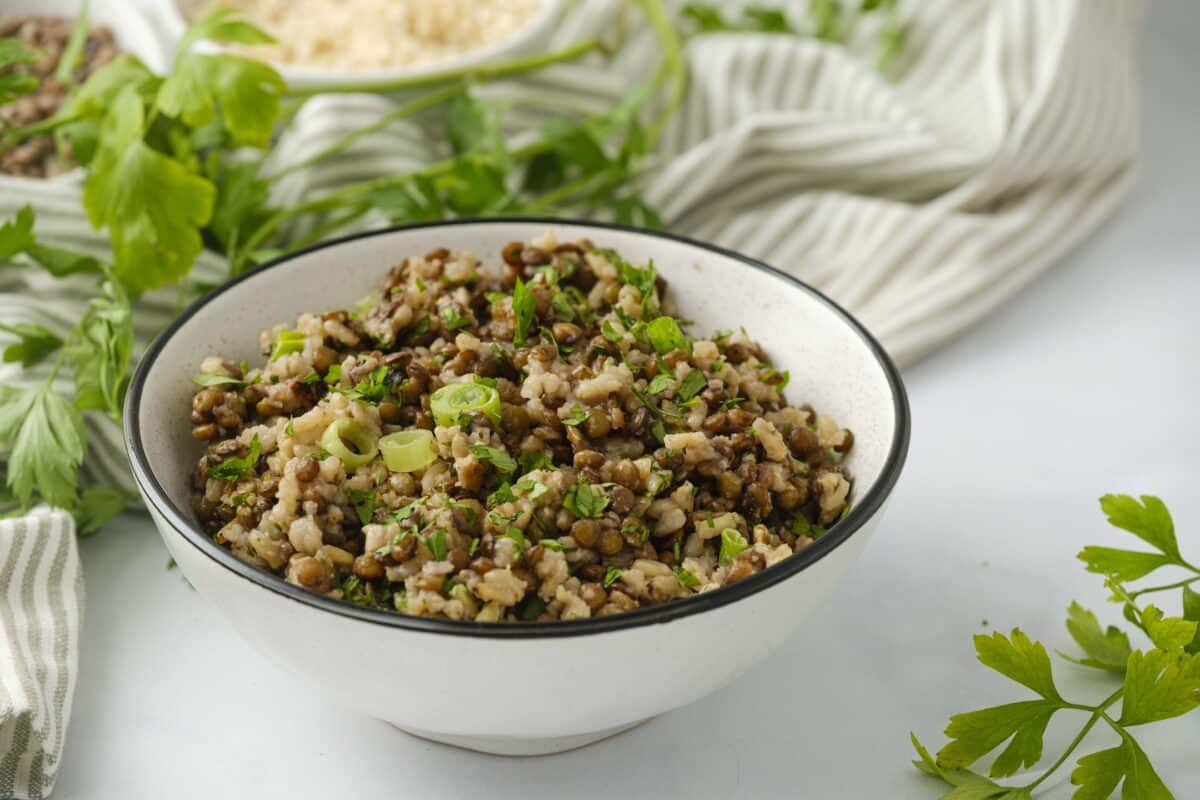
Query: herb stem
point(484, 72)
point(1097, 713)
point(673, 67)
point(415, 106)
point(1164, 588)
point(14, 137)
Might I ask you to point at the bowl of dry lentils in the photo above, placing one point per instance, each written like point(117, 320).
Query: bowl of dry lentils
point(515, 432)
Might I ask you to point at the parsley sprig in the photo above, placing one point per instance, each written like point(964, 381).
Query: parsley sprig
point(1159, 682)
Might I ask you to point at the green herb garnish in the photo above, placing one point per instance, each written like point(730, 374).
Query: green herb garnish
point(234, 468)
point(578, 416)
point(611, 576)
point(1157, 683)
point(585, 501)
point(523, 306)
point(498, 457)
point(364, 502)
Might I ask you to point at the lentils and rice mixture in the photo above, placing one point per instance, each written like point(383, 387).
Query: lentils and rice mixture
point(545, 443)
point(41, 156)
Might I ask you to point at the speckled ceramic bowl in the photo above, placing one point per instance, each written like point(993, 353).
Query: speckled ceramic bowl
point(539, 687)
point(528, 38)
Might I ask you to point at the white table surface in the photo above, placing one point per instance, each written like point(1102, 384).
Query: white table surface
point(1085, 384)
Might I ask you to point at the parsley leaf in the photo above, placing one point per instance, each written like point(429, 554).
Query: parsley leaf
point(1160, 685)
point(665, 336)
point(611, 576)
point(34, 343)
point(209, 379)
point(1124, 565)
point(364, 503)
point(1020, 659)
point(1191, 611)
point(977, 733)
point(235, 467)
point(1106, 648)
point(1149, 521)
point(1098, 774)
point(454, 318)
point(661, 382)
point(46, 441)
point(578, 416)
point(246, 91)
point(693, 383)
point(14, 83)
point(371, 389)
point(1167, 633)
point(100, 349)
point(496, 456)
point(152, 205)
point(436, 542)
point(523, 306)
point(97, 505)
point(585, 501)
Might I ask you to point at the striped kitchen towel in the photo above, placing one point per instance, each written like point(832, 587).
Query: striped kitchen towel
point(41, 603)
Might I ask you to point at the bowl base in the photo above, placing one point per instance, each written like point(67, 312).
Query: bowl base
point(512, 746)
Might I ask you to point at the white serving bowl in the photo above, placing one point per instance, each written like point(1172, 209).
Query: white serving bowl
point(540, 687)
point(530, 37)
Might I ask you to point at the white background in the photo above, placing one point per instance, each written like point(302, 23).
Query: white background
point(1085, 384)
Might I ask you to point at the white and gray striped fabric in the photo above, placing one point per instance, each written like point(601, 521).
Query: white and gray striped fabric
point(921, 203)
point(41, 606)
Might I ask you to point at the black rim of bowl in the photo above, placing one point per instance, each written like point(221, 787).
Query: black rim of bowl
point(861, 511)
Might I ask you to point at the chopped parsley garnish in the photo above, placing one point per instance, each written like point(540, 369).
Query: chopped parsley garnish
point(473, 548)
point(531, 608)
point(454, 319)
point(436, 542)
point(665, 336)
point(494, 297)
point(552, 544)
point(208, 379)
point(638, 529)
point(535, 459)
point(641, 278)
point(422, 327)
point(400, 515)
point(732, 402)
point(503, 494)
point(523, 306)
point(533, 489)
point(693, 383)
point(518, 536)
point(609, 331)
point(578, 416)
point(496, 456)
point(334, 375)
point(363, 501)
point(611, 576)
point(311, 377)
point(290, 428)
point(234, 468)
point(662, 382)
point(802, 527)
point(585, 501)
point(371, 389)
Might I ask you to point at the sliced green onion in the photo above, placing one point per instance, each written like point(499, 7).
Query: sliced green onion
point(287, 342)
point(732, 543)
point(408, 451)
point(451, 402)
point(344, 434)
